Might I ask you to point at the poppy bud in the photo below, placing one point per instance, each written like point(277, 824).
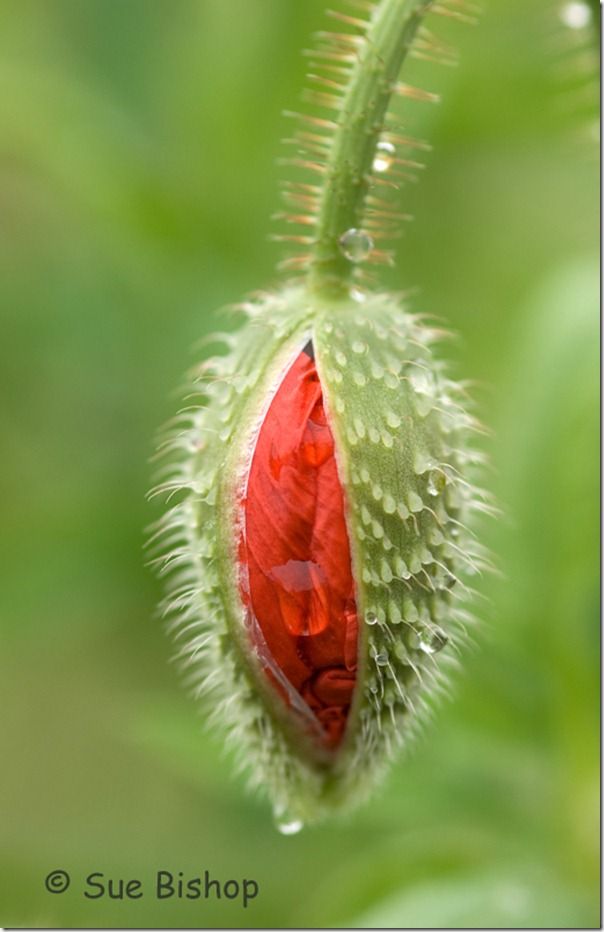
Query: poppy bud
point(323, 537)
point(318, 551)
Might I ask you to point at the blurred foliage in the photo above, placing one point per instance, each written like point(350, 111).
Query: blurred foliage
point(137, 176)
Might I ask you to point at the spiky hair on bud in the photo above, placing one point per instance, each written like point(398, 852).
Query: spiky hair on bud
point(320, 552)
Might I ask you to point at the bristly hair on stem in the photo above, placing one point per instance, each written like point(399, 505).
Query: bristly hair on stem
point(355, 149)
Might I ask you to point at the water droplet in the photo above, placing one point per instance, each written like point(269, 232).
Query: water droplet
point(421, 382)
point(437, 481)
point(575, 15)
point(431, 640)
point(357, 295)
point(381, 658)
point(302, 588)
point(371, 618)
point(287, 821)
point(355, 245)
point(384, 156)
point(288, 826)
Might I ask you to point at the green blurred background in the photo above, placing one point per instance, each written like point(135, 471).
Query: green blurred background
point(137, 176)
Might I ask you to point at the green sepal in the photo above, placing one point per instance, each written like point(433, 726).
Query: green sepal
point(402, 450)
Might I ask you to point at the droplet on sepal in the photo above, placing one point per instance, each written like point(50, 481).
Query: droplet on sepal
point(430, 640)
point(437, 481)
point(358, 295)
point(355, 245)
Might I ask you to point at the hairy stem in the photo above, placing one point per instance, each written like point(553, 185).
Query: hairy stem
point(360, 123)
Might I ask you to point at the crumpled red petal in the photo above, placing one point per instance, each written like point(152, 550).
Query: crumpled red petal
point(296, 576)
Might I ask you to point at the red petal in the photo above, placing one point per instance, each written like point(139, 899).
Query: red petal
point(296, 577)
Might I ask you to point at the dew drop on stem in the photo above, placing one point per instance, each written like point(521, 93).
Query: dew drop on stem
point(355, 245)
point(384, 157)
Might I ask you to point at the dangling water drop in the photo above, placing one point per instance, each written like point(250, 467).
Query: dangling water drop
point(437, 481)
point(286, 825)
point(371, 618)
point(355, 245)
point(286, 822)
point(384, 156)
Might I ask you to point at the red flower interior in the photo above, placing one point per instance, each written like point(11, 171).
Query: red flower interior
point(296, 577)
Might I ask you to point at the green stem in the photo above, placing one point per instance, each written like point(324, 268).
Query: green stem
point(360, 123)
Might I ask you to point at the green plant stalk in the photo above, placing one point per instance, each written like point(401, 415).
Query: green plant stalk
point(360, 123)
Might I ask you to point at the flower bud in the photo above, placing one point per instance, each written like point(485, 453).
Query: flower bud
point(319, 545)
